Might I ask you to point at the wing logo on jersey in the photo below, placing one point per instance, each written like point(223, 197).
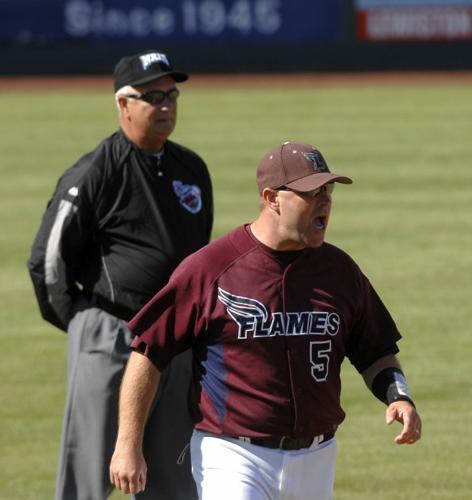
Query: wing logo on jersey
point(248, 313)
point(190, 196)
point(319, 165)
point(253, 318)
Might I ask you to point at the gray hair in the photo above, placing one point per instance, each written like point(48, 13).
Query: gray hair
point(127, 89)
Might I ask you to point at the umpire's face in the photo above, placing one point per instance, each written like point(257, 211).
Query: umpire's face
point(303, 217)
point(150, 119)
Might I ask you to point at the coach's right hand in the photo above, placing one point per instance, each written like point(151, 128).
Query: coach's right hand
point(128, 469)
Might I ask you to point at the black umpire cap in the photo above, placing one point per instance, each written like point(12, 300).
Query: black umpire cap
point(144, 67)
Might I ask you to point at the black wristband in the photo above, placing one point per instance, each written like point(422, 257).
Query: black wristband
point(389, 385)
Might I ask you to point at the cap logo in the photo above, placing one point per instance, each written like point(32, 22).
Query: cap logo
point(319, 164)
point(148, 59)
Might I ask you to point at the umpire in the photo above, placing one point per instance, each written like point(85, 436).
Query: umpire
point(118, 223)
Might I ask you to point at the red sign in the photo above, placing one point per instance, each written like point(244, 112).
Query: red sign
point(414, 23)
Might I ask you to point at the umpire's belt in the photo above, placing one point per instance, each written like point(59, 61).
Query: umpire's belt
point(287, 442)
point(108, 306)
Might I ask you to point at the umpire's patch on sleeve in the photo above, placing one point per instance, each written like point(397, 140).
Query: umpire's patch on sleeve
point(189, 196)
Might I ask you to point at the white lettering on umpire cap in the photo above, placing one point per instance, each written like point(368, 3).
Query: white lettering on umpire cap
point(148, 59)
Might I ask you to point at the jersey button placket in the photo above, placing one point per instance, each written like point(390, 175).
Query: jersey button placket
point(289, 354)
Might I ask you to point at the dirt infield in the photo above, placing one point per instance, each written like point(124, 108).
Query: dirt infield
point(29, 83)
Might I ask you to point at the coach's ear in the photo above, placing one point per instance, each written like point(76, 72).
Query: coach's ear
point(270, 199)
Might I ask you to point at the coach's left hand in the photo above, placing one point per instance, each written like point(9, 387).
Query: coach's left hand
point(406, 414)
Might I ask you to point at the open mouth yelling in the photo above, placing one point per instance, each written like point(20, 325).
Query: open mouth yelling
point(320, 222)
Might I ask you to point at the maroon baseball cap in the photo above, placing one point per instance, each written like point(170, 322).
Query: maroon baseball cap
point(144, 67)
point(300, 167)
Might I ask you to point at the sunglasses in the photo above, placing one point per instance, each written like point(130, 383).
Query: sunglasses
point(156, 96)
point(327, 188)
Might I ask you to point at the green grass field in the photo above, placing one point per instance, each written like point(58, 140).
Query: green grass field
point(407, 220)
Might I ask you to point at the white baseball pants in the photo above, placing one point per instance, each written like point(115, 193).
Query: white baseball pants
point(234, 470)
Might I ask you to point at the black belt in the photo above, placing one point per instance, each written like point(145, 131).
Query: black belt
point(112, 308)
point(287, 442)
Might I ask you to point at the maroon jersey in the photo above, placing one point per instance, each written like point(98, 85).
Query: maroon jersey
point(269, 331)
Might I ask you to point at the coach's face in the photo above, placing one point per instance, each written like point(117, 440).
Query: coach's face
point(148, 122)
point(303, 217)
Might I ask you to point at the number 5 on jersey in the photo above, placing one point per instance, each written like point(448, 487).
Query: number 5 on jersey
point(319, 359)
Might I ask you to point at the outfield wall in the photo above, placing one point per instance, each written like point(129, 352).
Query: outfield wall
point(88, 36)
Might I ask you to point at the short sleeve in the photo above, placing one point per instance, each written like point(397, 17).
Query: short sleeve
point(169, 323)
point(374, 333)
